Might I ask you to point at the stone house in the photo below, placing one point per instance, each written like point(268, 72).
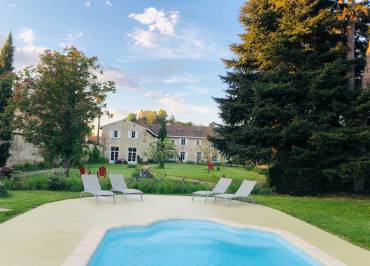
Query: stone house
point(126, 140)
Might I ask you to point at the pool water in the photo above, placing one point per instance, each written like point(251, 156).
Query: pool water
point(195, 243)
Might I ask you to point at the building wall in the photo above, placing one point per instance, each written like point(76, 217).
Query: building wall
point(197, 145)
point(123, 142)
point(22, 152)
point(142, 143)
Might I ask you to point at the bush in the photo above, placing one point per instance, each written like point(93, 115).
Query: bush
point(96, 156)
point(131, 165)
point(31, 166)
point(57, 182)
point(3, 192)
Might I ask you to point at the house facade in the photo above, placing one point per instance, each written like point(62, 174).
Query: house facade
point(126, 140)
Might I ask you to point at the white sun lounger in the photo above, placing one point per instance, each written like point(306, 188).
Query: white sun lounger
point(220, 188)
point(244, 191)
point(92, 186)
point(119, 185)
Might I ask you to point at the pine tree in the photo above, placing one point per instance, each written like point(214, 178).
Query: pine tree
point(6, 82)
point(288, 103)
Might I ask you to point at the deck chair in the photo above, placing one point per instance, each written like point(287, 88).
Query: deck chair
point(220, 188)
point(119, 185)
point(244, 191)
point(92, 186)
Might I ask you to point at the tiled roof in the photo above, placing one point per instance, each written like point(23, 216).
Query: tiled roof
point(180, 130)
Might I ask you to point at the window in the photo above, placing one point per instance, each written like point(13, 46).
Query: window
point(114, 153)
point(131, 158)
point(173, 141)
point(183, 142)
point(214, 158)
point(198, 142)
point(115, 134)
point(182, 156)
point(199, 156)
point(132, 134)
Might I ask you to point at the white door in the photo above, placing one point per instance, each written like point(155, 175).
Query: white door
point(113, 154)
point(131, 158)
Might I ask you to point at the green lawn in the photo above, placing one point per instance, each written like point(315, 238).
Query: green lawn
point(21, 201)
point(345, 217)
point(194, 171)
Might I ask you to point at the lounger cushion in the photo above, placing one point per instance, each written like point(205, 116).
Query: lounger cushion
point(225, 196)
point(103, 193)
point(130, 191)
point(203, 193)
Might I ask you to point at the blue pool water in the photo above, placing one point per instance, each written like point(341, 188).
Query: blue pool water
point(195, 243)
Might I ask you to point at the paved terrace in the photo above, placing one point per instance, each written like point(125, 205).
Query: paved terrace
point(49, 233)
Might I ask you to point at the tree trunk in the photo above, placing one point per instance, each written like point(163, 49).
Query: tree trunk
point(67, 166)
point(98, 132)
point(351, 49)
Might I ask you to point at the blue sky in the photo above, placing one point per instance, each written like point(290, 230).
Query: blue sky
point(161, 54)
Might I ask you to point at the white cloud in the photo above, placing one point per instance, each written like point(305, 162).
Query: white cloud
point(27, 36)
point(13, 5)
point(157, 23)
point(108, 3)
point(72, 38)
point(120, 78)
point(158, 20)
point(178, 106)
point(88, 4)
point(144, 38)
point(28, 53)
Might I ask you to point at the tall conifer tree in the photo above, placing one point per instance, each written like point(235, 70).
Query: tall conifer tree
point(6, 82)
point(288, 103)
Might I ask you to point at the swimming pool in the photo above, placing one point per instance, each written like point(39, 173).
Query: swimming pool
point(196, 243)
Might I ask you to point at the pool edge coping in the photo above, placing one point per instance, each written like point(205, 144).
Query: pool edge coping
point(83, 252)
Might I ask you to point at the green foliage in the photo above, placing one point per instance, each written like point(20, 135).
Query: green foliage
point(6, 83)
point(160, 150)
point(96, 156)
point(58, 99)
point(31, 166)
point(288, 103)
point(162, 134)
point(131, 117)
point(3, 191)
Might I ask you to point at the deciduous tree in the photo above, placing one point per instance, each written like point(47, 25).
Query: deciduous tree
point(58, 100)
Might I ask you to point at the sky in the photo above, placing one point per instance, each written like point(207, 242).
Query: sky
point(161, 54)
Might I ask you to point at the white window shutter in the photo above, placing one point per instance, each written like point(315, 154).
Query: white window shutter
point(118, 134)
point(129, 134)
point(137, 134)
point(112, 134)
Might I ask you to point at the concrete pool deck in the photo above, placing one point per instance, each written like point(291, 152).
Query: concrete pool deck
point(48, 234)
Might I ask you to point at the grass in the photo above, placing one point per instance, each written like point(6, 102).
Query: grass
point(195, 172)
point(21, 201)
point(347, 218)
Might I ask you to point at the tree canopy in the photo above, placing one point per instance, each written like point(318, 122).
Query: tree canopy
point(57, 100)
point(288, 104)
point(6, 84)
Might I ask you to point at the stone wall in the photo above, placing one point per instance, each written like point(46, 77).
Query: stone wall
point(22, 152)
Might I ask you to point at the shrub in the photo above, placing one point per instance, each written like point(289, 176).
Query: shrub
point(57, 182)
point(31, 166)
point(131, 165)
point(3, 192)
point(96, 156)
